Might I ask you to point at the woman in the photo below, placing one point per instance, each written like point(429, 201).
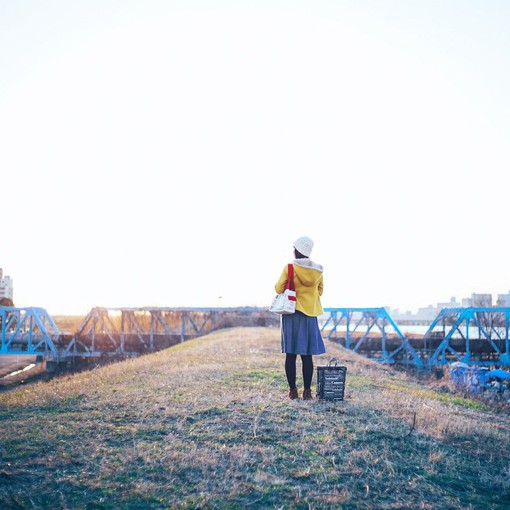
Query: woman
point(300, 330)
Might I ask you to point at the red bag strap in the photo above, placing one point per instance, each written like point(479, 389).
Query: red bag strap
point(290, 278)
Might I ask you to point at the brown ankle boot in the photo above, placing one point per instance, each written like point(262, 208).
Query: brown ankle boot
point(293, 393)
point(307, 394)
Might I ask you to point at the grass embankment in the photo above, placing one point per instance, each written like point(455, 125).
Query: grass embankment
point(206, 424)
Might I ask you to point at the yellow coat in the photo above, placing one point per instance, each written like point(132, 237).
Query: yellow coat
point(309, 286)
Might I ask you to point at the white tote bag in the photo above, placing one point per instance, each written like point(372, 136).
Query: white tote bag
point(285, 303)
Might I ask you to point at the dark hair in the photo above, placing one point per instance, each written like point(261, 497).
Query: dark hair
point(299, 255)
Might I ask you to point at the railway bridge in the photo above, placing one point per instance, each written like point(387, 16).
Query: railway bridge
point(117, 332)
point(477, 336)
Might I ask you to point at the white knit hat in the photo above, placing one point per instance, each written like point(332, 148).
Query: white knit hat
point(304, 245)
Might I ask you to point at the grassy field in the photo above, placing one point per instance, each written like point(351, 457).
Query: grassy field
point(207, 424)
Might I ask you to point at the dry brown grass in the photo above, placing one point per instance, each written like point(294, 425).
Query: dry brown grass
point(206, 424)
point(68, 324)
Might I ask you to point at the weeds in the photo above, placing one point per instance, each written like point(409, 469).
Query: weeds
point(207, 424)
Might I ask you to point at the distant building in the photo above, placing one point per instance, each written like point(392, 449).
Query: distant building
point(478, 301)
point(6, 290)
point(453, 303)
point(429, 313)
point(398, 315)
point(503, 300)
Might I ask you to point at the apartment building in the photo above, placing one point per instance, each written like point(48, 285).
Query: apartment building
point(6, 289)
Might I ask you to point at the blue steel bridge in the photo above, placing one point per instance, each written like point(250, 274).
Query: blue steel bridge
point(116, 332)
point(477, 336)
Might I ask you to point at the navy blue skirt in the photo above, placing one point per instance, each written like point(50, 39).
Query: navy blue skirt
point(301, 334)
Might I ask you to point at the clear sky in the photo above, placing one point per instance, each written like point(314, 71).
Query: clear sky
point(167, 153)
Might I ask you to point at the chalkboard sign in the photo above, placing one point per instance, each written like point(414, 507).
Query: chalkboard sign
point(331, 381)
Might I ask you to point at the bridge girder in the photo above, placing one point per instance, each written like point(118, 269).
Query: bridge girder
point(355, 327)
point(28, 331)
point(472, 335)
point(461, 330)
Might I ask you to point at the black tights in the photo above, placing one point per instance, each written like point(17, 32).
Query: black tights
point(290, 370)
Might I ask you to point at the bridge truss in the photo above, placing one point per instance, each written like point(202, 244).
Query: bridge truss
point(28, 331)
point(114, 331)
point(472, 335)
point(372, 331)
point(477, 336)
point(125, 331)
point(117, 331)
